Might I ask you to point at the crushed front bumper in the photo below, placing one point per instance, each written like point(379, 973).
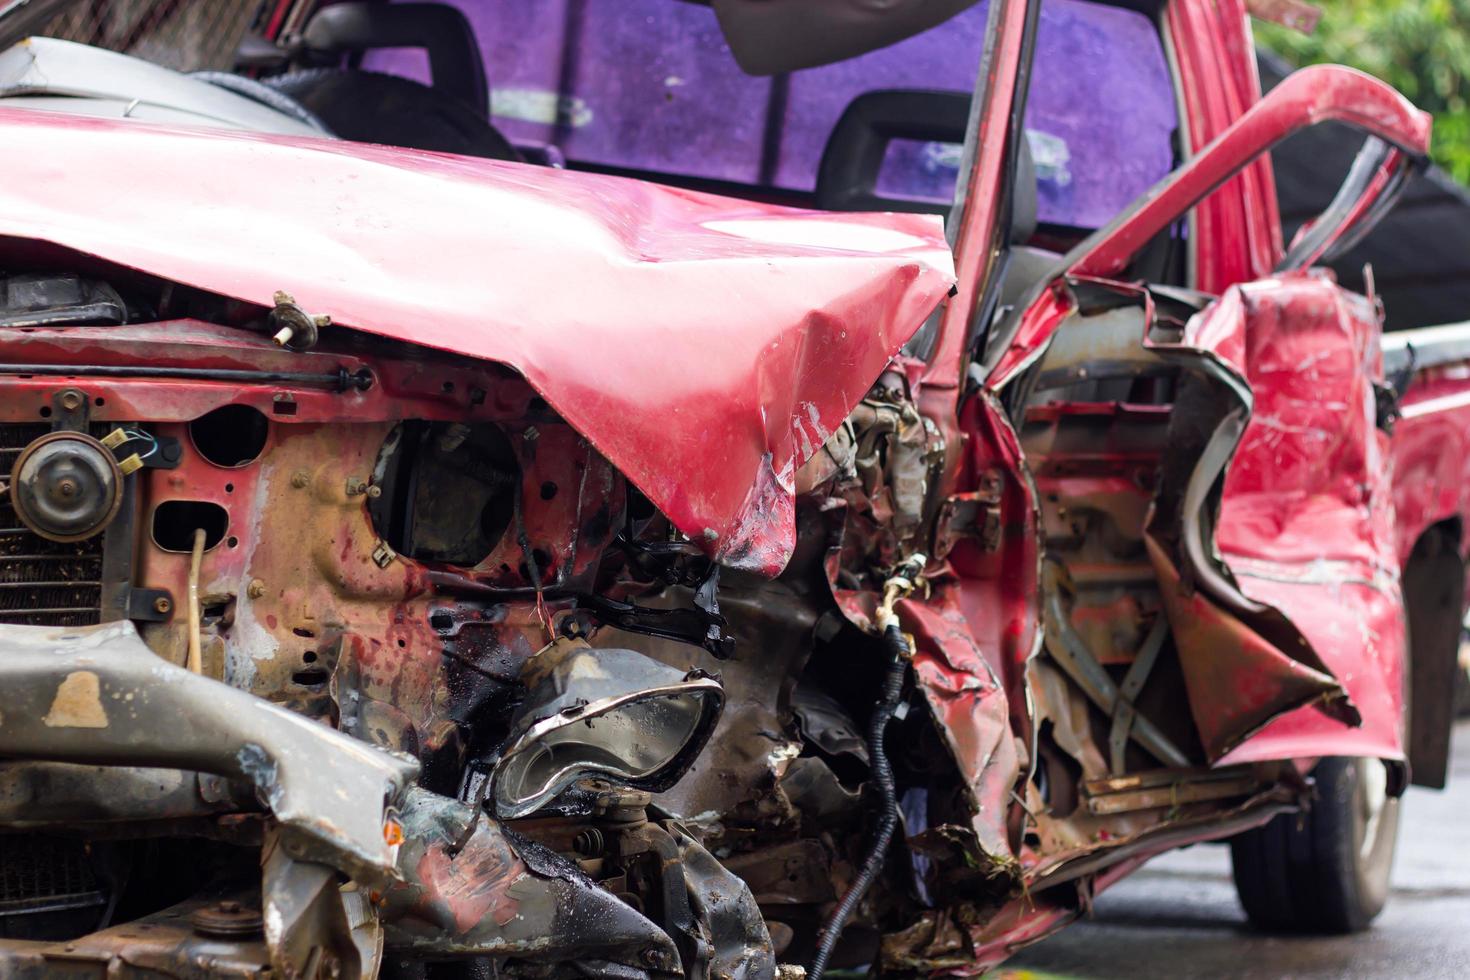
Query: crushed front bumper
point(355, 857)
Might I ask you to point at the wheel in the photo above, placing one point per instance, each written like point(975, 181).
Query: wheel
point(1462, 677)
point(1325, 870)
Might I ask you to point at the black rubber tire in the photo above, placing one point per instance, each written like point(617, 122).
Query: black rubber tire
point(1462, 681)
point(1314, 871)
point(371, 107)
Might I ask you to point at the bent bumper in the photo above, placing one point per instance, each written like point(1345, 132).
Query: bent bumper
point(424, 872)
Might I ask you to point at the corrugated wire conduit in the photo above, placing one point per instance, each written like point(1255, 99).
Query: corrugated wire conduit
point(900, 651)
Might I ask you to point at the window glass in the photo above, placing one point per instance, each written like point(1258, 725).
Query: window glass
point(649, 85)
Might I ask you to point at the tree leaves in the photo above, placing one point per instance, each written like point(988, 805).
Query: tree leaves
point(1421, 47)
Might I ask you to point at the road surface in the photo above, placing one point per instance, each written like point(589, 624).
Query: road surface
point(1178, 917)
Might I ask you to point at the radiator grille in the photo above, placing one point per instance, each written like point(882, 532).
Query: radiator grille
point(44, 872)
point(43, 583)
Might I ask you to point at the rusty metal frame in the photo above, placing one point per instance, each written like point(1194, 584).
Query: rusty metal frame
point(1124, 714)
point(1071, 653)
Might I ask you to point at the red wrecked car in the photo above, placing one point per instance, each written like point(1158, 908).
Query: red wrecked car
point(662, 490)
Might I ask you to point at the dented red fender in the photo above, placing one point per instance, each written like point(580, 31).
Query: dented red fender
point(706, 346)
point(1307, 520)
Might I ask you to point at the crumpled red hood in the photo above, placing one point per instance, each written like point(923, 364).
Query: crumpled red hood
point(707, 346)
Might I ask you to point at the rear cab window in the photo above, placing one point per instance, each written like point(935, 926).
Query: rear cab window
point(648, 87)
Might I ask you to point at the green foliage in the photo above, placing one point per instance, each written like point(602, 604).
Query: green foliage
point(1421, 47)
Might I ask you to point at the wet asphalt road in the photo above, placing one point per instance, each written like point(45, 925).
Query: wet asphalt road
point(1178, 916)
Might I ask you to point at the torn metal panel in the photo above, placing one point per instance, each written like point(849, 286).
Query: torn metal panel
point(470, 888)
point(729, 932)
point(1307, 559)
point(970, 707)
point(752, 329)
point(1306, 516)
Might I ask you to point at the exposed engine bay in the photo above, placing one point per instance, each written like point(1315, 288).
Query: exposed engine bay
point(473, 589)
point(596, 750)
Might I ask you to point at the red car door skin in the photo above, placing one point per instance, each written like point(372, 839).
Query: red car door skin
point(1270, 533)
point(1303, 532)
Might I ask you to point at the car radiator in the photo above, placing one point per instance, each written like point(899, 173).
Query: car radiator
point(42, 582)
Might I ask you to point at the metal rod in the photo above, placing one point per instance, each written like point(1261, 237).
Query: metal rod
point(82, 584)
point(91, 557)
point(196, 557)
point(48, 612)
point(340, 380)
point(1124, 713)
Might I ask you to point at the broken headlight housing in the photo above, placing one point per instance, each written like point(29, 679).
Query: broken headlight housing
point(608, 714)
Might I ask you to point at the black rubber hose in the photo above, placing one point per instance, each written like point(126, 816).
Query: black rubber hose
point(882, 778)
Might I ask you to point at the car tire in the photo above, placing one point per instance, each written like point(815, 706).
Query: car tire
point(1325, 870)
point(1462, 677)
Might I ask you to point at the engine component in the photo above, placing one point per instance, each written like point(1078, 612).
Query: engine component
point(52, 301)
point(64, 580)
point(292, 327)
point(611, 714)
point(66, 486)
point(696, 623)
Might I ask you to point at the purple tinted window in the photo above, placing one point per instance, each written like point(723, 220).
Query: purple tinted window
point(1101, 116)
point(650, 85)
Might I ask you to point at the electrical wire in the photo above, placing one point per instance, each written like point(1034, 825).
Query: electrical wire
point(882, 778)
point(138, 435)
point(900, 583)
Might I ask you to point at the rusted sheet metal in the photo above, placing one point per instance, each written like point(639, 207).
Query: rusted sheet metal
point(664, 324)
point(164, 944)
point(1305, 530)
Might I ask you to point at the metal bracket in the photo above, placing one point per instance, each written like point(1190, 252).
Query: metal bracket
point(689, 624)
point(383, 554)
point(70, 410)
point(168, 456)
point(976, 514)
point(150, 605)
point(1070, 651)
point(1123, 712)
